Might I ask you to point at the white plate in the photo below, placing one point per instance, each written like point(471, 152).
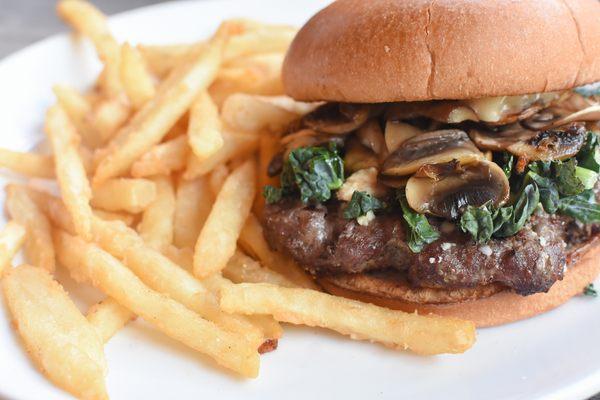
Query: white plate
point(553, 356)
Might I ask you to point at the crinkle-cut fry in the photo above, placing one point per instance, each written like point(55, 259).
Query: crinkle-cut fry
point(132, 195)
point(136, 80)
point(12, 237)
point(57, 337)
point(162, 159)
point(156, 226)
point(193, 202)
point(252, 240)
point(153, 121)
point(39, 249)
point(218, 238)
point(242, 268)
point(162, 275)
point(28, 164)
point(108, 317)
point(89, 21)
point(236, 145)
point(78, 108)
point(204, 129)
point(69, 169)
point(124, 217)
point(397, 329)
point(89, 262)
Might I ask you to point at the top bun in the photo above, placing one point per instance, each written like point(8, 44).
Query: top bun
point(371, 51)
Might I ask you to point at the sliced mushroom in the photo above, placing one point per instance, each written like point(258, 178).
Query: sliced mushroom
point(371, 136)
point(337, 118)
point(395, 182)
point(359, 157)
point(444, 190)
point(544, 145)
point(306, 138)
point(591, 113)
point(397, 133)
point(430, 148)
point(363, 180)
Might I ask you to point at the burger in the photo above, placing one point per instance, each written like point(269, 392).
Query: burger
point(451, 163)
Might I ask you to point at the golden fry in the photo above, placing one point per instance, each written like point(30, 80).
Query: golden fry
point(242, 268)
point(88, 262)
point(162, 159)
point(29, 164)
point(69, 169)
point(12, 238)
point(57, 337)
point(108, 317)
point(217, 178)
point(126, 218)
point(204, 130)
point(397, 329)
point(193, 203)
point(124, 194)
point(39, 249)
point(217, 240)
point(156, 227)
point(136, 79)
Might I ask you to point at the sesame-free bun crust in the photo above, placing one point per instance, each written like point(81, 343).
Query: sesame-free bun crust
point(498, 309)
point(405, 50)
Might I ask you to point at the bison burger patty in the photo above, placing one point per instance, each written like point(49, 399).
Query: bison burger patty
point(325, 243)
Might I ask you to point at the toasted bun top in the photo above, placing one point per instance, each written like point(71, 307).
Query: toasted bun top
point(405, 50)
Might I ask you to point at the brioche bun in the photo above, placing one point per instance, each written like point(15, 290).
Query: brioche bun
point(406, 50)
point(497, 309)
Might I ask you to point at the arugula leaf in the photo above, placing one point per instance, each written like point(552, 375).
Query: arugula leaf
point(587, 177)
point(360, 204)
point(478, 222)
point(272, 194)
point(589, 155)
point(549, 196)
point(420, 232)
point(567, 182)
point(582, 207)
point(590, 290)
point(314, 171)
point(526, 204)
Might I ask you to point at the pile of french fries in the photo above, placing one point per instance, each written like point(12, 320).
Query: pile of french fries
point(160, 167)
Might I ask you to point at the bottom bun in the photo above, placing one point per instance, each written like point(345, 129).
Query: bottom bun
point(497, 309)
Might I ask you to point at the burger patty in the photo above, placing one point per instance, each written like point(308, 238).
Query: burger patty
point(325, 243)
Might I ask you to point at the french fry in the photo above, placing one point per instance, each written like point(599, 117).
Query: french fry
point(124, 194)
point(126, 218)
point(69, 169)
point(107, 117)
point(162, 275)
point(52, 207)
point(89, 21)
point(236, 145)
point(88, 262)
point(152, 122)
point(161, 60)
point(217, 240)
point(204, 130)
point(193, 203)
point(108, 317)
point(57, 337)
point(397, 329)
point(217, 178)
point(268, 39)
point(156, 227)
point(268, 148)
point(78, 108)
point(39, 249)
point(136, 79)
point(252, 239)
point(12, 237)
point(242, 268)
point(162, 159)
point(257, 74)
point(29, 164)
point(251, 113)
